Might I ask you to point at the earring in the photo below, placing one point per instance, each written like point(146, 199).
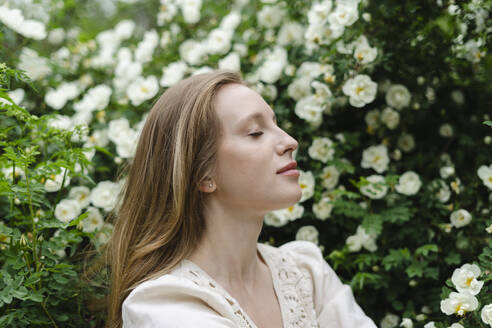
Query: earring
point(210, 185)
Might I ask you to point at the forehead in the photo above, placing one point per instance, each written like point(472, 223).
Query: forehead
point(236, 102)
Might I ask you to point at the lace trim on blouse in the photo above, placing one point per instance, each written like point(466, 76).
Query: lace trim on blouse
point(293, 286)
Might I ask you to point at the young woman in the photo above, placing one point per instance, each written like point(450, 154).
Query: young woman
point(211, 161)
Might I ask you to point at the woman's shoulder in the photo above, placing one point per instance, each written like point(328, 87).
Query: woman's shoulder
point(173, 300)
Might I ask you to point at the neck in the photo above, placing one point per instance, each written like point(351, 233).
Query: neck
point(228, 248)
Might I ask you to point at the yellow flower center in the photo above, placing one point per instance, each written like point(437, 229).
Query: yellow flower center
point(469, 281)
point(144, 89)
point(303, 186)
point(376, 159)
point(358, 90)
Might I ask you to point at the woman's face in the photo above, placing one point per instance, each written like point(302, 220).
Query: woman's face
point(251, 150)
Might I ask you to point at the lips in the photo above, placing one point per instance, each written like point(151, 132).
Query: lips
point(291, 166)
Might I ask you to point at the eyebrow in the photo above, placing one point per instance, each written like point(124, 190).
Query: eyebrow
point(255, 116)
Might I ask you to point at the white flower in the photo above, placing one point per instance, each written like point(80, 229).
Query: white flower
point(322, 149)
point(124, 29)
point(126, 146)
point(173, 73)
point(485, 173)
point(329, 177)
point(460, 218)
point(406, 142)
point(102, 237)
point(104, 195)
point(8, 172)
point(486, 314)
point(98, 138)
point(97, 98)
point(219, 41)
point(446, 171)
point(323, 208)
point(271, 70)
point(372, 119)
point(67, 210)
point(376, 157)
point(145, 48)
point(29, 28)
point(446, 130)
point(191, 10)
point(318, 13)
point(279, 218)
point(390, 118)
point(306, 181)
point(430, 324)
point(142, 89)
point(309, 109)
point(166, 13)
point(390, 320)
point(54, 182)
point(94, 220)
point(376, 189)
point(270, 16)
point(231, 62)
point(459, 303)
point(409, 183)
point(192, 52)
point(465, 279)
point(361, 90)
point(456, 325)
point(398, 96)
point(363, 52)
point(361, 239)
point(12, 18)
point(57, 98)
point(308, 233)
point(458, 97)
point(345, 14)
point(406, 323)
point(299, 88)
point(275, 219)
point(444, 192)
point(290, 34)
point(117, 129)
point(81, 194)
point(231, 21)
point(35, 66)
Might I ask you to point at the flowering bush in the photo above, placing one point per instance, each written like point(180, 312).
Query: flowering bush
point(387, 100)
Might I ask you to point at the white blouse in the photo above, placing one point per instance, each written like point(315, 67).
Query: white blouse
point(309, 292)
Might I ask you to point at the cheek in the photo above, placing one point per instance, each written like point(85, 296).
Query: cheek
point(244, 164)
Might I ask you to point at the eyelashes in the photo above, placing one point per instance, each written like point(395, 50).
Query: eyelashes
point(256, 134)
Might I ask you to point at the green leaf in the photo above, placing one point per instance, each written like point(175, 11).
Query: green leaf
point(453, 258)
point(416, 269)
point(489, 123)
point(426, 249)
point(396, 258)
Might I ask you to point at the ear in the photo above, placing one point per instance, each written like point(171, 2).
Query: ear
point(207, 186)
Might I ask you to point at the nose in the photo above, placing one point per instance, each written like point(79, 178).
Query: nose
point(287, 143)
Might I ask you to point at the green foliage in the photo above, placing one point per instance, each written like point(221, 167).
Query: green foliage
point(39, 284)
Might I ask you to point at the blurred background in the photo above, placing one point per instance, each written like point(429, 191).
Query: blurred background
point(390, 102)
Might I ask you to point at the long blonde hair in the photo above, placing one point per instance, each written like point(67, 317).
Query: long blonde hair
point(160, 219)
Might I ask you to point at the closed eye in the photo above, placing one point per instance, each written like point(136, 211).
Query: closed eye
point(256, 134)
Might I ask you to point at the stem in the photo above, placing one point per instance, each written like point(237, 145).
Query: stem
point(43, 305)
point(31, 211)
